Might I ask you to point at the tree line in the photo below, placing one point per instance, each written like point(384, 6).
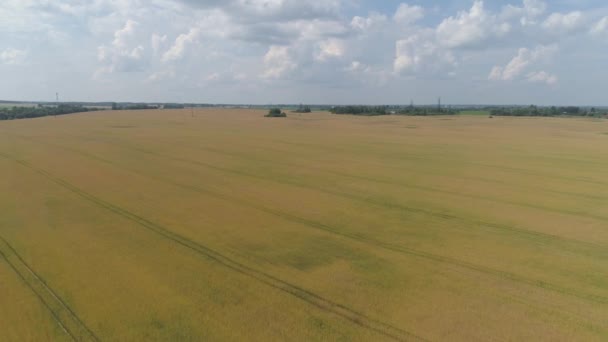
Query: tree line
point(16, 112)
point(303, 109)
point(548, 111)
point(137, 106)
point(392, 110)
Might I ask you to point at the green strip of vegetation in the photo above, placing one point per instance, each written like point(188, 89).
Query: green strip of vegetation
point(549, 111)
point(17, 112)
point(392, 110)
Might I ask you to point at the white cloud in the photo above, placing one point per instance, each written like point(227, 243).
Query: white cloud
point(601, 27)
point(213, 77)
point(178, 49)
point(407, 14)
point(330, 49)
point(161, 75)
point(528, 14)
point(279, 62)
point(471, 28)
point(542, 77)
point(525, 57)
point(534, 8)
point(558, 23)
point(281, 9)
point(324, 44)
point(496, 73)
point(12, 56)
point(373, 21)
point(122, 36)
point(420, 52)
point(356, 66)
point(124, 54)
point(157, 42)
point(223, 78)
point(369, 75)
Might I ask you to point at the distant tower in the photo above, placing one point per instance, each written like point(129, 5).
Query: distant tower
point(411, 103)
point(439, 105)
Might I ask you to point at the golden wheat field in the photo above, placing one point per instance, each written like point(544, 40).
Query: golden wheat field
point(228, 226)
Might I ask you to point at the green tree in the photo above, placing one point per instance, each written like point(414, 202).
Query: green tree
point(276, 113)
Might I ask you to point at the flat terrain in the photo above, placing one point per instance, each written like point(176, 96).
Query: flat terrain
point(156, 225)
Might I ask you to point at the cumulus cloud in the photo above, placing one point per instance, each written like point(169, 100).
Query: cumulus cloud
point(523, 60)
point(471, 28)
point(601, 27)
point(542, 77)
point(330, 43)
point(559, 23)
point(330, 49)
point(407, 14)
point(367, 74)
point(12, 56)
point(182, 42)
point(157, 42)
point(289, 9)
point(534, 8)
point(279, 62)
point(364, 24)
point(124, 54)
point(161, 75)
point(420, 52)
point(527, 14)
point(223, 78)
point(275, 10)
point(122, 36)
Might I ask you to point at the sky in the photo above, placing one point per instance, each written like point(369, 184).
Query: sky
point(315, 51)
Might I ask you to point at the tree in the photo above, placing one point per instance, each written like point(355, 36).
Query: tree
point(276, 113)
point(302, 109)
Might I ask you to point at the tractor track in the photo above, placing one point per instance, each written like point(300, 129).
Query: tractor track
point(61, 312)
point(318, 301)
point(370, 241)
point(365, 200)
point(480, 164)
point(408, 186)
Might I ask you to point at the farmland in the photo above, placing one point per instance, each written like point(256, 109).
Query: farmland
point(225, 225)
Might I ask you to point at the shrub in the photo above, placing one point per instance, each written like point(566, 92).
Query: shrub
point(276, 113)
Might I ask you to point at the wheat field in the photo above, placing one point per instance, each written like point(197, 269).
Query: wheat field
point(227, 226)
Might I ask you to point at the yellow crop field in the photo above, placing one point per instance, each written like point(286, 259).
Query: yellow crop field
point(225, 225)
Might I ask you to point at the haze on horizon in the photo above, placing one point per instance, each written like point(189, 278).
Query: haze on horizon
point(318, 51)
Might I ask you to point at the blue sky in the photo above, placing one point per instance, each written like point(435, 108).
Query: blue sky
point(316, 51)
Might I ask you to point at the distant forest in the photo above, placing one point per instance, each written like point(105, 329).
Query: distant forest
point(40, 110)
point(549, 111)
point(392, 110)
point(25, 111)
point(490, 110)
point(21, 112)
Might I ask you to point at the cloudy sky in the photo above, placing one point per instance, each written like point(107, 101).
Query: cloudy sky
point(314, 51)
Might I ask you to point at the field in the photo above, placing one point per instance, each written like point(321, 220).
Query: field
point(225, 225)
